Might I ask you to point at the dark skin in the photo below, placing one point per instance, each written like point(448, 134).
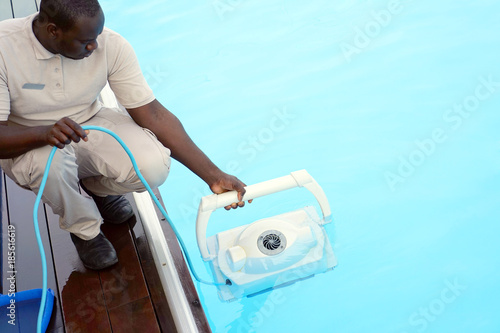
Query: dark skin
point(77, 43)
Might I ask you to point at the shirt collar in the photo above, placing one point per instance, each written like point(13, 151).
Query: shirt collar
point(40, 51)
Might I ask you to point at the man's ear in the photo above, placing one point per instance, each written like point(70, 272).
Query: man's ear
point(53, 31)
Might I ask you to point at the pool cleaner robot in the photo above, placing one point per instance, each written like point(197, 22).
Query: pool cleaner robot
point(271, 252)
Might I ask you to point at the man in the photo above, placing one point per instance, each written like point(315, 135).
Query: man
point(53, 65)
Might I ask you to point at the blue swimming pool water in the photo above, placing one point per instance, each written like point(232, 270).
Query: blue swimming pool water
point(393, 106)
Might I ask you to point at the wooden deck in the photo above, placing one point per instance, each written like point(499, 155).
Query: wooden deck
point(127, 297)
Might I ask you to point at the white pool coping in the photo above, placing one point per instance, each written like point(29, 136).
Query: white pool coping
point(179, 305)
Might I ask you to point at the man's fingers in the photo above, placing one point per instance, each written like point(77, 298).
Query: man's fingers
point(240, 187)
point(229, 183)
point(235, 205)
point(65, 131)
point(85, 138)
point(74, 137)
point(53, 141)
point(79, 133)
point(59, 140)
point(68, 132)
point(74, 130)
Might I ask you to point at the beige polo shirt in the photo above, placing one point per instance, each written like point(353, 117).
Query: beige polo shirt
point(38, 87)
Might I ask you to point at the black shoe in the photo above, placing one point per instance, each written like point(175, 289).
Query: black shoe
point(114, 209)
point(97, 253)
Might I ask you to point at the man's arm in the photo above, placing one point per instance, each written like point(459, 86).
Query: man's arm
point(170, 132)
point(15, 141)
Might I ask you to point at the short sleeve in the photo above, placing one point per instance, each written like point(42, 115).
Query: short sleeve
point(4, 93)
point(124, 73)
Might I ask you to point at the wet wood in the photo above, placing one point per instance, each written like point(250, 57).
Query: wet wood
point(158, 298)
point(137, 316)
point(124, 283)
point(82, 298)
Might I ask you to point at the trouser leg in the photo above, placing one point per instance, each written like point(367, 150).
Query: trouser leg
point(102, 164)
point(106, 169)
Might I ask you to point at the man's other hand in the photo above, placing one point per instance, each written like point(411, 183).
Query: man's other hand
point(63, 132)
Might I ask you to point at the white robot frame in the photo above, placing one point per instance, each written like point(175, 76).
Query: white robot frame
point(271, 252)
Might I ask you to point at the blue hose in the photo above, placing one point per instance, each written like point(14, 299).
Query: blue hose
point(148, 188)
point(40, 244)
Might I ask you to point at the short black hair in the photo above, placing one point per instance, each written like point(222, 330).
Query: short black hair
point(64, 13)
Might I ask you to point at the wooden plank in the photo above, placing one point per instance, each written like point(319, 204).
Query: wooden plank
point(57, 330)
point(89, 296)
point(24, 8)
point(120, 285)
point(83, 304)
point(5, 10)
point(124, 282)
point(27, 259)
point(137, 316)
point(158, 298)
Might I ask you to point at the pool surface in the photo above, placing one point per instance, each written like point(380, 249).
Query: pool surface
point(392, 106)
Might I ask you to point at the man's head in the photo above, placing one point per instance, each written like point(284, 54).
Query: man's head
point(70, 27)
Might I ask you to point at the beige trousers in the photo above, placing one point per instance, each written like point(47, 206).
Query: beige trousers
point(101, 163)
